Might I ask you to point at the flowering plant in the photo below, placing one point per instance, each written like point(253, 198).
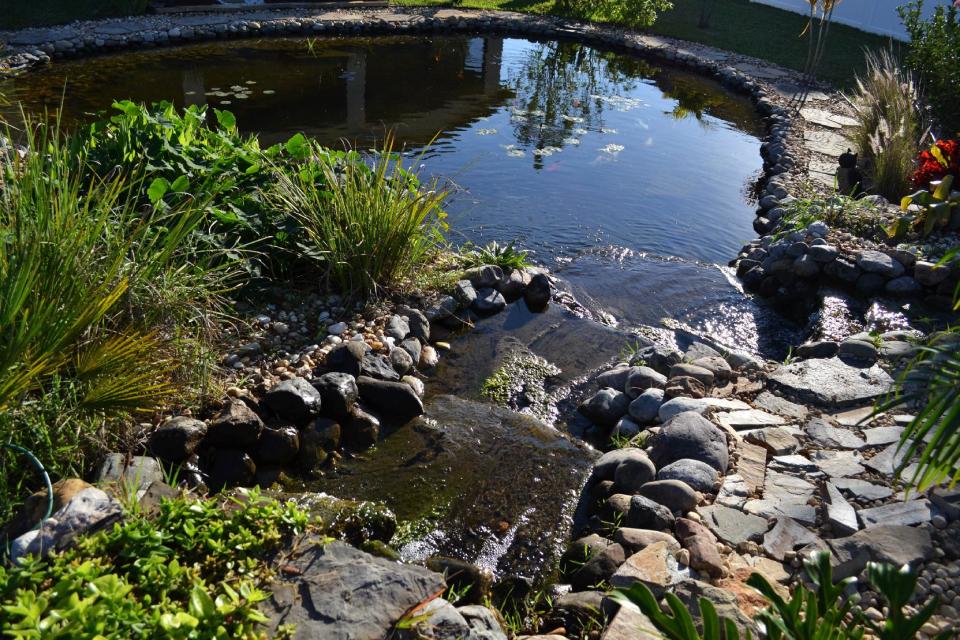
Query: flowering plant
point(937, 162)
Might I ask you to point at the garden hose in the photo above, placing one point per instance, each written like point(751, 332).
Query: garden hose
point(46, 477)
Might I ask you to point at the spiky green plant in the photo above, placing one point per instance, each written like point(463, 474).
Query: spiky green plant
point(506, 256)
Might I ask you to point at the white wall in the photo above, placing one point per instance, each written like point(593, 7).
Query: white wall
point(876, 16)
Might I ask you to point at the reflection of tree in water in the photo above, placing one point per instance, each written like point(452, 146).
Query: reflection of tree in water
point(557, 91)
point(697, 97)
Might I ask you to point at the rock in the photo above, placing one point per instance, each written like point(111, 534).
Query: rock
point(858, 350)
point(647, 514)
point(893, 544)
point(316, 439)
point(639, 379)
point(786, 536)
point(346, 357)
point(646, 406)
point(615, 378)
point(397, 399)
point(576, 612)
point(485, 276)
point(675, 495)
point(338, 392)
point(442, 309)
point(829, 437)
point(734, 491)
point(880, 263)
point(416, 384)
point(863, 490)
point(488, 302)
point(896, 350)
point(716, 365)
point(822, 349)
point(177, 439)
point(513, 284)
point(898, 513)
point(743, 361)
point(464, 576)
point(838, 463)
point(633, 540)
point(337, 328)
point(295, 400)
point(747, 419)
point(401, 361)
point(605, 407)
point(690, 435)
point(684, 386)
point(625, 428)
point(658, 357)
point(732, 525)
point(34, 508)
point(699, 350)
point(726, 600)
point(633, 472)
point(321, 591)
point(482, 622)
point(629, 624)
point(88, 510)
point(704, 556)
point(654, 566)
point(229, 468)
point(840, 515)
point(428, 357)
point(904, 286)
point(705, 376)
point(419, 326)
point(929, 274)
point(236, 425)
point(774, 439)
point(870, 284)
point(831, 382)
point(441, 621)
point(766, 401)
point(133, 472)
point(586, 570)
point(538, 292)
point(698, 475)
point(675, 406)
point(823, 253)
point(361, 430)
point(397, 328)
point(413, 347)
point(278, 446)
point(379, 366)
point(606, 465)
point(806, 267)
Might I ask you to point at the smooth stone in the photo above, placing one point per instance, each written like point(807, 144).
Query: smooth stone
point(514, 283)
point(605, 407)
point(858, 350)
point(822, 349)
point(747, 419)
point(606, 465)
point(732, 525)
point(644, 513)
point(676, 495)
point(338, 392)
point(488, 302)
point(698, 475)
point(904, 286)
point(484, 276)
point(645, 408)
point(676, 406)
point(377, 365)
point(880, 263)
point(538, 292)
point(639, 379)
point(295, 400)
point(615, 378)
point(177, 439)
point(397, 328)
point(401, 361)
point(690, 435)
point(658, 357)
point(831, 382)
point(396, 399)
point(626, 428)
point(316, 439)
point(716, 365)
point(705, 376)
point(346, 357)
point(633, 540)
point(633, 472)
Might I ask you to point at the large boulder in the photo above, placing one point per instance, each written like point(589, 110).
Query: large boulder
point(236, 425)
point(675, 495)
point(831, 383)
point(336, 592)
point(690, 435)
point(338, 392)
point(396, 399)
point(645, 407)
point(639, 379)
point(295, 400)
point(633, 472)
point(698, 475)
point(177, 439)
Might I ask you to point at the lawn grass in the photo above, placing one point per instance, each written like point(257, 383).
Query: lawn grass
point(737, 25)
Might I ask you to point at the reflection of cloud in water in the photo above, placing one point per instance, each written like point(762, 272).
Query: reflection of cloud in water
point(612, 148)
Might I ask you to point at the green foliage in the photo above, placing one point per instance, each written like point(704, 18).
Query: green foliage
point(860, 217)
point(367, 227)
point(505, 256)
point(935, 56)
point(890, 123)
point(679, 623)
point(196, 571)
point(898, 585)
point(934, 209)
point(634, 13)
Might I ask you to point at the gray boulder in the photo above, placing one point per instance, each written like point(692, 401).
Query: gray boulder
point(699, 475)
point(488, 302)
point(88, 510)
point(690, 435)
point(639, 379)
point(633, 472)
point(880, 263)
point(675, 495)
point(295, 400)
point(684, 369)
point(644, 513)
point(606, 465)
point(615, 378)
point(235, 425)
point(646, 406)
point(397, 328)
point(377, 365)
point(177, 439)
point(401, 361)
point(396, 399)
point(483, 624)
point(605, 407)
point(485, 276)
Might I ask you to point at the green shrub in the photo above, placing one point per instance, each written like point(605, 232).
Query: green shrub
point(935, 56)
point(634, 13)
point(195, 571)
point(367, 226)
point(890, 124)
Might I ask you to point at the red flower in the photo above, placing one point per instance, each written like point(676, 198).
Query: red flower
point(929, 168)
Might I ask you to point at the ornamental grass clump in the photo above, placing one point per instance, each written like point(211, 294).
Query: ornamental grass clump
point(368, 225)
point(890, 123)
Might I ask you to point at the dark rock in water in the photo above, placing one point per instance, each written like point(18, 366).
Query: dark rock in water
point(396, 399)
point(397, 328)
point(538, 292)
point(316, 440)
point(698, 475)
point(633, 472)
point(176, 439)
point(376, 365)
point(338, 393)
point(644, 513)
point(675, 495)
point(606, 407)
point(465, 292)
point(236, 426)
point(896, 545)
point(229, 468)
point(413, 347)
point(337, 592)
point(690, 435)
point(464, 576)
point(278, 446)
point(488, 302)
point(354, 521)
point(295, 400)
point(401, 361)
point(346, 357)
point(361, 430)
point(514, 283)
point(512, 522)
point(485, 276)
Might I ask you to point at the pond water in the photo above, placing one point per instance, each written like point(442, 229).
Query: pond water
point(598, 162)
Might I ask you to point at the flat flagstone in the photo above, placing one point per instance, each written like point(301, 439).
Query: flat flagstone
point(653, 566)
point(888, 461)
point(733, 492)
point(839, 463)
point(840, 514)
point(752, 466)
point(898, 513)
point(828, 119)
point(831, 383)
point(787, 535)
point(863, 489)
point(775, 404)
point(826, 435)
point(747, 419)
point(732, 525)
point(769, 509)
point(879, 436)
point(825, 142)
point(854, 417)
point(793, 462)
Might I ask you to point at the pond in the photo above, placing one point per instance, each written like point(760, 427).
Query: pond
point(630, 179)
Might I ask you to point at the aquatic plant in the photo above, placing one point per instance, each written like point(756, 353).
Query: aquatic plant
point(505, 256)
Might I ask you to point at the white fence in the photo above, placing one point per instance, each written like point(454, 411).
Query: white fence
point(875, 16)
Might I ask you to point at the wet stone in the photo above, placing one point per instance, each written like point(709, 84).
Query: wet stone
point(338, 392)
point(236, 425)
point(606, 407)
point(295, 400)
point(177, 439)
